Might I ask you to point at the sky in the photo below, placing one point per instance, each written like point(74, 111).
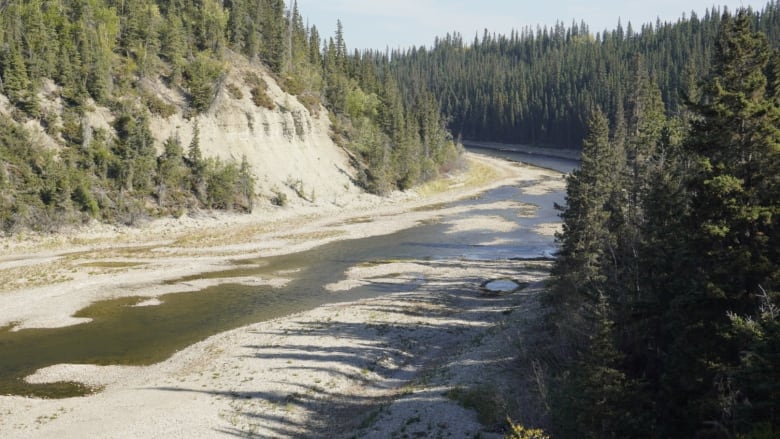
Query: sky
point(378, 24)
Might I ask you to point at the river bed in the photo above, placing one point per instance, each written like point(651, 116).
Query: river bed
point(122, 334)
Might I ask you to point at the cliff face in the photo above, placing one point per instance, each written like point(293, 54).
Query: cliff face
point(289, 147)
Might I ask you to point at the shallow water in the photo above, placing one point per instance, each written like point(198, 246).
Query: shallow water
point(120, 333)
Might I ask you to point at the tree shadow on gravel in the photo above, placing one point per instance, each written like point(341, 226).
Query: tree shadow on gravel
point(339, 376)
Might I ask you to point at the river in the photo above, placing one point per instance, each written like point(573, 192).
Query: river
point(122, 334)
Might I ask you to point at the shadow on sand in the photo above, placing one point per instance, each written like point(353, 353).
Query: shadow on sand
point(391, 351)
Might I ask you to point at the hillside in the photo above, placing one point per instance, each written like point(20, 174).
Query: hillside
point(284, 145)
point(120, 111)
point(537, 85)
point(288, 147)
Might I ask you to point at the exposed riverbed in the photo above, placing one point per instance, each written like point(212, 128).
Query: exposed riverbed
point(510, 221)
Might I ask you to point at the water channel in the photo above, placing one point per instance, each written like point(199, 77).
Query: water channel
point(126, 335)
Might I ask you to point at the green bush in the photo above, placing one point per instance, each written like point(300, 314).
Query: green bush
point(158, 106)
point(261, 99)
point(234, 91)
point(279, 198)
point(293, 85)
point(201, 76)
point(259, 90)
point(519, 432)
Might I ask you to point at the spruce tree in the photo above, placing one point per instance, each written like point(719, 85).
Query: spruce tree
point(14, 74)
point(197, 164)
point(591, 400)
point(646, 124)
point(273, 28)
point(173, 46)
point(315, 56)
point(246, 184)
point(731, 260)
point(587, 244)
point(172, 173)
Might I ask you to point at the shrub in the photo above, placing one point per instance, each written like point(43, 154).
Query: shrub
point(279, 198)
point(221, 182)
point(293, 85)
point(253, 80)
point(158, 106)
point(234, 91)
point(519, 432)
point(261, 99)
point(259, 90)
point(201, 75)
point(311, 102)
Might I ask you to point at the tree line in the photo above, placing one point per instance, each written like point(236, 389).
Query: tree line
point(536, 85)
point(664, 317)
point(107, 52)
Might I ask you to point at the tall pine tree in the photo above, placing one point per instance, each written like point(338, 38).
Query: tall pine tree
point(732, 261)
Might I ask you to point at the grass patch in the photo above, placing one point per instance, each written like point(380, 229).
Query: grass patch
point(234, 234)
point(434, 187)
point(359, 220)
point(485, 400)
point(311, 236)
point(34, 276)
point(479, 173)
point(142, 251)
point(475, 175)
point(111, 264)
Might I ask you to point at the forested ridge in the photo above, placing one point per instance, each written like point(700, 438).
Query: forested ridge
point(62, 59)
point(536, 85)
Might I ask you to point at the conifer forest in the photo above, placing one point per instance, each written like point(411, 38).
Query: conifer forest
point(663, 301)
point(663, 305)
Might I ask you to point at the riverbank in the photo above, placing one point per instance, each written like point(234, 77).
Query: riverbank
point(563, 153)
point(283, 377)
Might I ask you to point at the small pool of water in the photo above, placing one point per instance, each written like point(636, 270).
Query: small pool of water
point(502, 286)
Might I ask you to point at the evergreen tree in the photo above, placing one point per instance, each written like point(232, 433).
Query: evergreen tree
point(201, 75)
point(340, 46)
point(210, 21)
point(645, 126)
point(595, 397)
point(172, 174)
point(239, 26)
point(315, 56)
point(246, 184)
point(135, 148)
point(197, 164)
point(734, 147)
point(273, 28)
point(14, 74)
point(587, 243)
point(173, 46)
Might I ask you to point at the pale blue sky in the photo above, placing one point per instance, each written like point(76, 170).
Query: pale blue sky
point(376, 24)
